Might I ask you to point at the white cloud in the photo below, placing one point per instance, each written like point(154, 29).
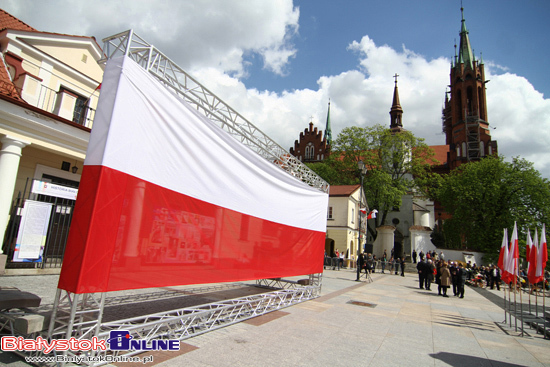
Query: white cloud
point(207, 33)
point(363, 97)
point(521, 118)
point(215, 39)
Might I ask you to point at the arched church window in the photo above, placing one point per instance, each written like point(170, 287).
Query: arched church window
point(464, 149)
point(310, 151)
point(482, 149)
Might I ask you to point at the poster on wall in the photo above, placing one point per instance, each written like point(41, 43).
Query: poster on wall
point(31, 237)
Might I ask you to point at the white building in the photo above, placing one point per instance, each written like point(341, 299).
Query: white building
point(49, 88)
point(345, 202)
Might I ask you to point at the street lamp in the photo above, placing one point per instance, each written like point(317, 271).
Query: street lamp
point(362, 172)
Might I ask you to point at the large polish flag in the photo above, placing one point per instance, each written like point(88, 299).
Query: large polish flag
point(169, 198)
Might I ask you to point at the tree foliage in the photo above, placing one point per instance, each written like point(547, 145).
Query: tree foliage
point(487, 196)
point(393, 161)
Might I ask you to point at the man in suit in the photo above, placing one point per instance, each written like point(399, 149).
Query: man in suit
point(421, 267)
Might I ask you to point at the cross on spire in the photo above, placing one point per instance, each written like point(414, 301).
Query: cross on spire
point(395, 76)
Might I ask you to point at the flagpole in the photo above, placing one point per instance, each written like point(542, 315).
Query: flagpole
point(520, 301)
point(510, 303)
point(546, 336)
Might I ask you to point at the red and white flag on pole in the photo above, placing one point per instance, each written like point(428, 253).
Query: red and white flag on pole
point(513, 256)
point(531, 250)
point(503, 256)
point(372, 214)
point(542, 256)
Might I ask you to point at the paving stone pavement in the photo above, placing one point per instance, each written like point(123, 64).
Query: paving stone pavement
point(388, 322)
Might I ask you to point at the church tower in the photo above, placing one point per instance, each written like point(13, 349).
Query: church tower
point(312, 146)
point(396, 112)
point(465, 122)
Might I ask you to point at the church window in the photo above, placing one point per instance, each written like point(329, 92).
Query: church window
point(482, 149)
point(480, 104)
point(469, 96)
point(459, 106)
point(310, 152)
point(458, 150)
point(464, 149)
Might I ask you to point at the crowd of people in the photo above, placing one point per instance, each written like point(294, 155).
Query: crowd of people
point(444, 274)
point(433, 268)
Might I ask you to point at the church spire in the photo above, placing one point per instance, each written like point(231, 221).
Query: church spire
point(396, 111)
point(465, 55)
point(328, 131)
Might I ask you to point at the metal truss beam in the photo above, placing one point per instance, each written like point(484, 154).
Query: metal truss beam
point(80, 315)
point(186, 87)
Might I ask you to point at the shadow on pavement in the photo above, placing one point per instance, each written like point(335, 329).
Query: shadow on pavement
point(461, 360)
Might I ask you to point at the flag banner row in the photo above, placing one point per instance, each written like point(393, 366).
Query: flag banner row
point(536, 255)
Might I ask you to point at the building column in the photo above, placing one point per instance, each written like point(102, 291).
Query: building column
point(10, 156)
point(384, 240)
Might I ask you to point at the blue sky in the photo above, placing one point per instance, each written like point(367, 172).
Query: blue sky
point(278, 62)
point(512, 34)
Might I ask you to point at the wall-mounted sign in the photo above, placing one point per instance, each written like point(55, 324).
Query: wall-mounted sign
point(50, 189)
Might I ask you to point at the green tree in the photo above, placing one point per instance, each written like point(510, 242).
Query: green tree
point(486, 196)
point(393, 161)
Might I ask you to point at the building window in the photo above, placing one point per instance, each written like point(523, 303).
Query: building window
point(310, 151)
point(482, 148)
point(464, 149)
point(329, 213)
point(352, 215)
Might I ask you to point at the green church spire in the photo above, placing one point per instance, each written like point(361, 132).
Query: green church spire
point(465, 55)
point(328, 131)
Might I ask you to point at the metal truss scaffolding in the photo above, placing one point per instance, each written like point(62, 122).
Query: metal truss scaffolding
point(79, 316)
point(172, 76)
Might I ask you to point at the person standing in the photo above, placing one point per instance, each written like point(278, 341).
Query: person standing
point(438, 277)
point(454, 277)
point(462, 275)
point(495, 277)
point(429, 275)
point(421, 267)
point(414, 256)
point(397, 262)
point(403, 266)
point(445, 279)
point(383, 262)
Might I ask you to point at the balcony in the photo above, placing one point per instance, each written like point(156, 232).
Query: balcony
point(65, 102)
